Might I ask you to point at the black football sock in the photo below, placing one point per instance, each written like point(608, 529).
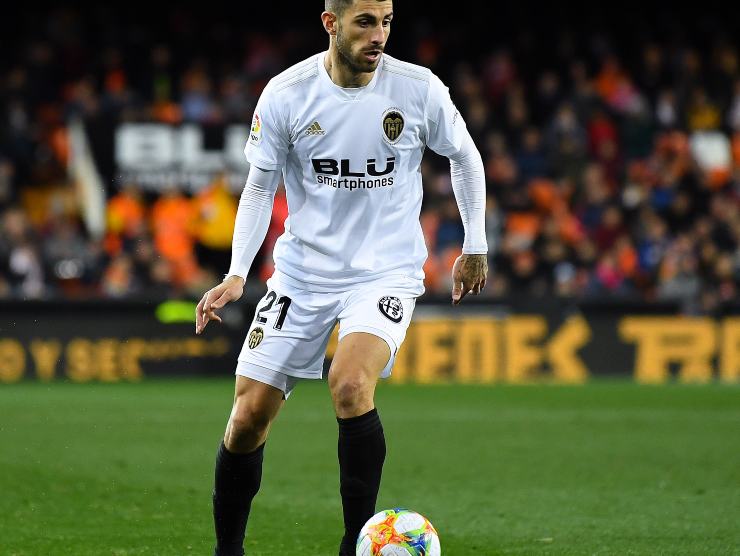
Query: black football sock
point(237, 480)
point(361, 457)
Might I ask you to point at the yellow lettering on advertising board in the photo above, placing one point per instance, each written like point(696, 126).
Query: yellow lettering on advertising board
point(433, 350)
point(45, 355)
point(562, 350)
point(131, 352)
point(105, 359)
point(477, 348)
point(729, 365)
point(523, 358)
point(80, 361)
point(687, 342)
point(12, 360)
point(515, 349)
point(106, 355)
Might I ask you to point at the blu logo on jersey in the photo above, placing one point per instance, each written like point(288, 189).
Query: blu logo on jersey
point(332, 167)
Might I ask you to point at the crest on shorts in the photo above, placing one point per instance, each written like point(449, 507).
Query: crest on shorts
point(255, 337)
point(393, 123)
point(391, 307)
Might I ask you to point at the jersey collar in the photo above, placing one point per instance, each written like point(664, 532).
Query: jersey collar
point(348, 95)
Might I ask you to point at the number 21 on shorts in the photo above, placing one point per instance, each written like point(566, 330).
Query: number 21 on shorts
point(272, 299)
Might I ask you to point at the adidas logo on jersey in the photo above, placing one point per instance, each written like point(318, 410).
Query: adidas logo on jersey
point(315, 129)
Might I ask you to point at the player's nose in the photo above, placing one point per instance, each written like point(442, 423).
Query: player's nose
point(378, 35)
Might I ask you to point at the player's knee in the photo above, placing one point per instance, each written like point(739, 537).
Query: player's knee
point(249, 423)
point(351, 393)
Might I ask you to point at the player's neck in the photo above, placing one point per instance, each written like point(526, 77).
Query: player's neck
point(342, 74)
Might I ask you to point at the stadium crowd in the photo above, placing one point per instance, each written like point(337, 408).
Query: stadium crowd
point(612, 168)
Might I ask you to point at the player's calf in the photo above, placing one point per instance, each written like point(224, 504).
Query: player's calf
point(357, 364)
point(361, 451)
point(239, 462)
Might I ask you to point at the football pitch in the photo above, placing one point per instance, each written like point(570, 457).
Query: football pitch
point(610, 468)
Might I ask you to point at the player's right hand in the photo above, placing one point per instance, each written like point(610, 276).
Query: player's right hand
point(469, 274)
point(229, 290)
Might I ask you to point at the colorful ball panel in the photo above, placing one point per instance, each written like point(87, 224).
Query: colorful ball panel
point(398, 532)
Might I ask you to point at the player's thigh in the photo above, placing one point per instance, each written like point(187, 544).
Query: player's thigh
point(359, 359)
point(383, 313)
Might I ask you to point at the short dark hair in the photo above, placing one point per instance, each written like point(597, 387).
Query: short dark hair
point(338, 6)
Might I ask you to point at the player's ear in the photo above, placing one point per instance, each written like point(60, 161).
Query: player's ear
point(329, 20)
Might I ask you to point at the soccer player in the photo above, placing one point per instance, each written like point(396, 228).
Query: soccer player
point(347, 129)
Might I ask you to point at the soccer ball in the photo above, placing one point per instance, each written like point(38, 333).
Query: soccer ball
point(398, 532)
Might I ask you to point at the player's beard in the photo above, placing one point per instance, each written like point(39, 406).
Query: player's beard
point(354, 62)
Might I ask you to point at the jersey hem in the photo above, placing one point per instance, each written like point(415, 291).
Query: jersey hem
point(315, 374)
point(414, 286)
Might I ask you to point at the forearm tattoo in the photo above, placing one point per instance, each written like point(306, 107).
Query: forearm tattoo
point(474, 267)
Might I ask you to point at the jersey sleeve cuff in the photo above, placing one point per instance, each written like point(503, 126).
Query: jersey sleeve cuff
point(262, 164)
point(240, 274)
point(475, 250)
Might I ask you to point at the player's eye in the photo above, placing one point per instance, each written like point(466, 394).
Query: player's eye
point(387, 23)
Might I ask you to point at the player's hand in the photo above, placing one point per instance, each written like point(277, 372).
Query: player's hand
point(468, 275)
point(229, 290)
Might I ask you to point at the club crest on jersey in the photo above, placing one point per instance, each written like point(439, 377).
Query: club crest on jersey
point(393, 124)
point(391, 307)
point(255, 133)
point(255, 337)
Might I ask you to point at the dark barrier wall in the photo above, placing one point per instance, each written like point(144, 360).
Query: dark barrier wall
point(110, 341)
point(479, 343)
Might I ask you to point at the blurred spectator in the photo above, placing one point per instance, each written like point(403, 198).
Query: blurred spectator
point(7, 169)
point(450, 232)
point(214, 225)
point(20, 259)
point(125, 218)
point(566, 142)
point(71, 260)
point(733, 114)
point(666, 110)
point(678, 278)
point(118, 278)
point(172, 220)
point(609, 229)
point(198, 104)
point(702, 113)
point(531, 158)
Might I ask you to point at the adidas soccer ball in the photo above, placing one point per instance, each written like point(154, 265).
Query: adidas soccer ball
point(398, 532)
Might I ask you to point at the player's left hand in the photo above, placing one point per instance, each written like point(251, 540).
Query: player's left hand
point(468, 275)
point(227, 291)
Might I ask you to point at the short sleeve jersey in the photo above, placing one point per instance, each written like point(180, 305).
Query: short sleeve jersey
point(351, 163)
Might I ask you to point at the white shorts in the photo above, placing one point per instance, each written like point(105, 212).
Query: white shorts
point(291, 328)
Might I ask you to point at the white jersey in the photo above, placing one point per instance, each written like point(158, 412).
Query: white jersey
point(351, 167)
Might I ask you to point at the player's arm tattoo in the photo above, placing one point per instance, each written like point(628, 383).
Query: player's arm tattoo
point(474, 268)
point(468, 275)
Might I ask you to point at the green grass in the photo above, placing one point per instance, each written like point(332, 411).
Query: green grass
point(604, 469)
